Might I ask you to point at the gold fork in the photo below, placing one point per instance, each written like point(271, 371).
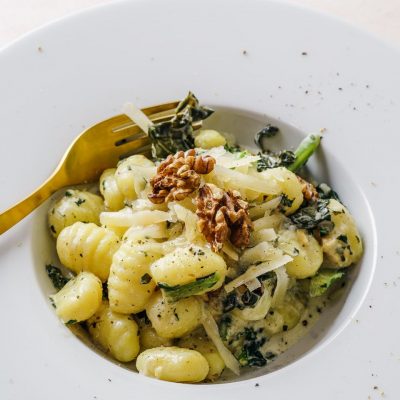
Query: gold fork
point(94, 150)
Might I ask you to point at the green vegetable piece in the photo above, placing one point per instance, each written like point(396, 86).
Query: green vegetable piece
point(311, 216)
point(177, 292)
point(325, 278)
point(273, 160)
point(56, 276)
point(306, 148)
point(172, 136)
point(268, 131)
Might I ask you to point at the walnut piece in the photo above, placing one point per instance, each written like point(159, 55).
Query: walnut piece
point(309, 191)
point(178, 176)
point(222, 216)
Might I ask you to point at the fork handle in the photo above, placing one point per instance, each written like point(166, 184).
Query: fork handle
point(20, 210)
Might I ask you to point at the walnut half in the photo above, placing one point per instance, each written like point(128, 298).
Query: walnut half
point(222, 216)
point(309, 191)
point(178, 176)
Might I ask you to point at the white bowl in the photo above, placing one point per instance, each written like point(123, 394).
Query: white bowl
point(150, 52)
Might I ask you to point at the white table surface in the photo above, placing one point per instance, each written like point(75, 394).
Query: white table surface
point(380, 17)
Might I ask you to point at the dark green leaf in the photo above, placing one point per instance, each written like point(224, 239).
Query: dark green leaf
point(56, 276)
point(266, 132)
point(145, 279)
point(311, 216)
point(174, 293)
point(172, 136)
point(273, 160)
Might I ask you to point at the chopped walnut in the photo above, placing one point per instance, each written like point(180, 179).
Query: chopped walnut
point(222, 216)
point(309, 191)
point(178, 176)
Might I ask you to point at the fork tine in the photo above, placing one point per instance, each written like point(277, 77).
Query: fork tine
point(145, 150)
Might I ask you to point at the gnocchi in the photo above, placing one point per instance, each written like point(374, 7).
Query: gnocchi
point(130, 285)
point(199, 260)
point(79, 299)
point(205, 347)
point(173, 320)
point(342, 246)
point(87, 247)
point(115, 333)
point(186, 264)
point(306, 252)
point(113, 198)
point(289, 187)
point(173, 364)
point(74, 206)
point(208, 138)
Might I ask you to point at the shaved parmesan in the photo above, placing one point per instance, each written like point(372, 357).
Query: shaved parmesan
point(256, 270)
point(269, 221)
point(263, 251)
point(137, 116)
point(282, 284)
point(211, 328)
point(230, 251)
point(260, 210)
point(264, 235)
point(242, 181)
point(127, 217)
point(253, 284)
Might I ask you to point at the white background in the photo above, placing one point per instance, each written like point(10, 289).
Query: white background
point(380, 17)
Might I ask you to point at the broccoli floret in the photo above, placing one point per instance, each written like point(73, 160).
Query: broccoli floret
point(325, 278)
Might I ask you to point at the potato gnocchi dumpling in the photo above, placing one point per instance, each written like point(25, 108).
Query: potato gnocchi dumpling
point(79, 299)
point(204, 346)
point(131, 174)
point(343, 246)
point(173, 320)
point(113, 198)
point(209, 138)
point(150, 339)
point(208, 259)
point(306, 252)
point(87, 247)
point(130, 284)
point(290, 188)
point(173, 364)
point(116, 333)
point(74, 206)
point(186, 264)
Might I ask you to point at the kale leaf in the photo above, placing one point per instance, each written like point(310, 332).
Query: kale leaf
point(56, 276)
point(172, 136)
point(314, 216)
point(266, 132)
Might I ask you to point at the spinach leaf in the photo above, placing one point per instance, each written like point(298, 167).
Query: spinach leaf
point(250, 353)
point(266, 132)
point(172, 136)
point(177, 292)
point(56, 276)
